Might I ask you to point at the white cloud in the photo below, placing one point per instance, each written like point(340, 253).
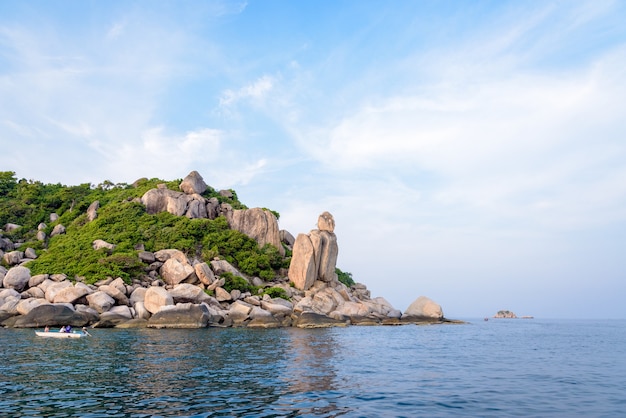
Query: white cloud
point(254, 92)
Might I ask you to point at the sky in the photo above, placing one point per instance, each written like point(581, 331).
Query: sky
point(473, 152)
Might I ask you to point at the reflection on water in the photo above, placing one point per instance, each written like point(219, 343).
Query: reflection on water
point(209, 372)
point(523, 368)
point(311, 371)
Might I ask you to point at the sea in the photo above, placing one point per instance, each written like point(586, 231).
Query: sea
point(494, 368)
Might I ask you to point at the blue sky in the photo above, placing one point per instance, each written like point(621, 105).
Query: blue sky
point(472, 152)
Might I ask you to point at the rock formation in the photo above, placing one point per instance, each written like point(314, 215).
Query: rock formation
point(505, 314)
point(315, 255)
point(423, 309)
point(177, 291)
point(259, 224)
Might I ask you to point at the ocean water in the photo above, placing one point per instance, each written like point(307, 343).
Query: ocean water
point(498, 368)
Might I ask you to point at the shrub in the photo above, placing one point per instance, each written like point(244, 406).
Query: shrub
point(344, 277)
point(123, 222)
point(236, 282)
point(276, 292)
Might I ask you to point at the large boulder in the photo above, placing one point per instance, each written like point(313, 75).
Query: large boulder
point(185, 292)
point(423, 309)
point(115, 316)
point(182, 315)
point(204, 273)
point(8, 293)
point(119, 296)
point(71, 294)
point(162, 199)
point(259, 224)
point(196, 207)
point(157, 297)
point(52, 289)
point(223, 266)
point(13, 257)
point(140, 310)
point(260, 318)
point(37, 279)
point(174, 272)
point(239, 311)
point(193, 183)
point(286, 238)
point(51, 315)
point(352, 309)
point(222, 295)
point(100, 301)
point(9, 304)
point(16, 278)
point(138, 295)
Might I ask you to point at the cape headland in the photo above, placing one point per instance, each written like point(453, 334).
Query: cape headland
point(174, 255)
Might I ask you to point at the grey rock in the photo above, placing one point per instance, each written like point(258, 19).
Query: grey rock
point(13, 258)
point(57, 230)
point(92, 210)
point(185, 293)
point(147, 257)
point(174, 272)
point(259, 224)
point(315, 320)
point(51, 315)
point(423, 309)
point(182, 315)
point(16, 278)
point(99, 244)
point(157, 297)
point(100, 301)
point(204, 273)
point(193, 183)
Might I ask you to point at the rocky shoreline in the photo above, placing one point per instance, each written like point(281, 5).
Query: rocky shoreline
point(181, 292)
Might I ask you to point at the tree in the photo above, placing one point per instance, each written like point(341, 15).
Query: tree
point(7, 182)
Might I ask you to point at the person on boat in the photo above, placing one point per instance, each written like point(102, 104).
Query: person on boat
point(68, 328)
point(47, 329)
point(85, 331)
point(62, 328)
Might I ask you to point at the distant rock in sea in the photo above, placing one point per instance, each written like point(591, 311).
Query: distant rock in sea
point(505, 314)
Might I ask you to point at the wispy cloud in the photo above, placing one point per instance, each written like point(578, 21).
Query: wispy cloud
point(253, 92)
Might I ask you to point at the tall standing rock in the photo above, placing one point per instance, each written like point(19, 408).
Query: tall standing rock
point(303, 269)
point(315, 255)
point(326, 252)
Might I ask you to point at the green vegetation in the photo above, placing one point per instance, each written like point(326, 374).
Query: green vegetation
point(125, 223)
point(239, 283)
point(344, 277)
point(276, 292)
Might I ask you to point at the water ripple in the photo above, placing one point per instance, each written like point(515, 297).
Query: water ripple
point(523, 368)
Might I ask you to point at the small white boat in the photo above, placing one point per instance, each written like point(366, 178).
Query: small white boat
point(57, 334)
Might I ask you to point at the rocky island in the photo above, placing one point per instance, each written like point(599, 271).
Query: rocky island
point(174, 255)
